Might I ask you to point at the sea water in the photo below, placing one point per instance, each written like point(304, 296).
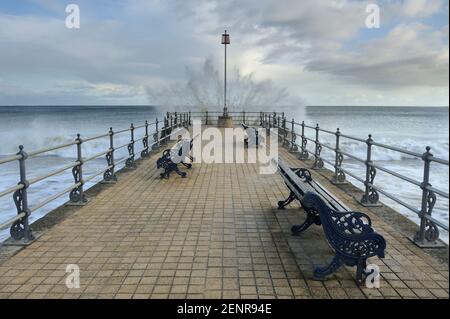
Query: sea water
point(410, 128)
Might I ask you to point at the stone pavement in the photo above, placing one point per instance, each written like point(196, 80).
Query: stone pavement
point(215, 234)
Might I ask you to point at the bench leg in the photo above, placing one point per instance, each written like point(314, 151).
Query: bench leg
point(187, 165)
point(283, 203)
point(177, 170)
point(311, 219)
point(361, 272)
point(320, 273)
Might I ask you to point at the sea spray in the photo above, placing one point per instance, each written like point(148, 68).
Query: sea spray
point(203, 91)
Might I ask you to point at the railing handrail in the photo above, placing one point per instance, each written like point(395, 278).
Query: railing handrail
point(382, 145)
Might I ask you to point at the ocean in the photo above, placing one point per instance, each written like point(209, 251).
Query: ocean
point(411, 128)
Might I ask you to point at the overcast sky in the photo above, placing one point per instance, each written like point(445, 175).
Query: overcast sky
point(319, 50)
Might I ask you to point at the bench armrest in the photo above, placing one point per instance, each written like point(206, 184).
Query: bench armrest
point(351, 223)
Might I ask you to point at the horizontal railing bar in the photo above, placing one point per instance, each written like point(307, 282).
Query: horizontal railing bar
point(405, 178)
point(122, 131)
point(91, 138)
point(439, 160)
point(10, 159)
point(327, 146)
point(352, 175)
point(395, 199)
point(9, 222)
point(52, 198)
point(96, 156)
point(327, 161)
point(326, 131)
point(121, 161)
point(393, 148)
point(352, 156)
point(59, 171)
point(121, 146)
point(97, 174)
point(11, 190)
point(437, 191)
point(45, 150)
point(354, 138)
point(437, 222)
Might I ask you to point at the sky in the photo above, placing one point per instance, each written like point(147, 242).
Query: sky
point(319, 51)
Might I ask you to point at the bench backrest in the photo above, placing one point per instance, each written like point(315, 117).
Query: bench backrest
point(182, 149)
point(300, 182)
point(251, 133)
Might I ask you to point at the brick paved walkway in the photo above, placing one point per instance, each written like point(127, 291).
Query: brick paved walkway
point(215, 234)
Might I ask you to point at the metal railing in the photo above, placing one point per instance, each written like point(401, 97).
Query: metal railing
point(288, 131)
point(211, 117)
point(19, 225)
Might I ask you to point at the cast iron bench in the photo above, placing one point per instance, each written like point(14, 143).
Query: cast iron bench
point(178, 154)
point(350, 234)
point(252, 137)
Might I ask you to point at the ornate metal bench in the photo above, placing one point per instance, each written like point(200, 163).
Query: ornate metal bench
point(252, 137)
point(350, 234)
point(179, 154)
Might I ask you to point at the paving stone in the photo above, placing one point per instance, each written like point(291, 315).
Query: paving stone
point(215, 234)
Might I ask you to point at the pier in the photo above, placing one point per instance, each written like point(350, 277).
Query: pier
point(216, 233)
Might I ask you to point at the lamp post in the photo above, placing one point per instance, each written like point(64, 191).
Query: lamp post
point(225, 120)
point(225, 42)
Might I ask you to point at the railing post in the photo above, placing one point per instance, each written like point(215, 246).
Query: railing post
point(269, 125)
point(339, 176)
point(145, 151)
point(428, 233)
point(303, 151)
point(158, 135)
point(206, 119)
point(293, 148)
point(20, 229)
point(160, 139)
point(130, 163)
point(280, 138)
point(189, 119)
point(77, 196)
point(285, 133)
point(370, 197)
point(243, 117)
point(318, 162)
point(167, 130)
point(109, 176)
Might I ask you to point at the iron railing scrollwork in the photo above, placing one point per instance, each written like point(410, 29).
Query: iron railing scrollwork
point(339, 175)
point(371, 196)
point(20, 229)
point(77, 195)
point(130, 163)
point(318, 162)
